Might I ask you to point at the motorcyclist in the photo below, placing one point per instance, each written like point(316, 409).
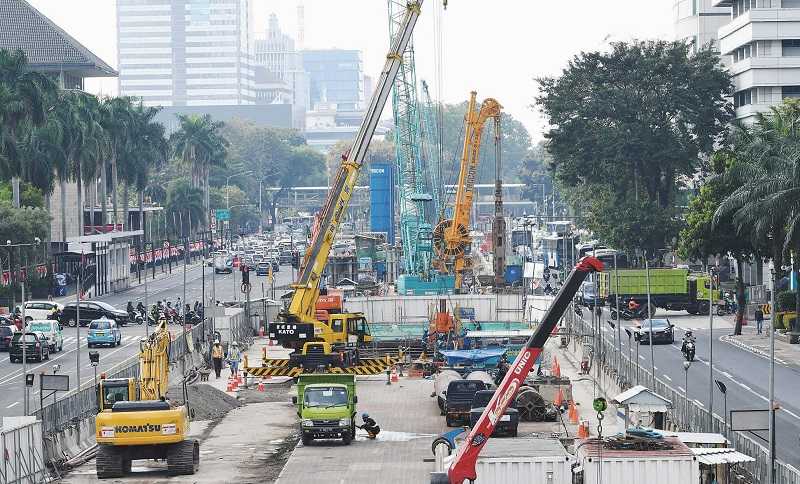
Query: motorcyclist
point(369, 425)
point(686, 339)
point(633, 306)
point(141, 309)
point(129, 309)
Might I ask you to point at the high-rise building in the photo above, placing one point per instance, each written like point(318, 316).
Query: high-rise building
point(279, 74)
point(762, 42)
point(335, 77)
point(185, 52)
point(697, 22)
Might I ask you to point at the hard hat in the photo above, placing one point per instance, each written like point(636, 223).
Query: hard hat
point(365, 415)
point(235, 343)
point(216, 341)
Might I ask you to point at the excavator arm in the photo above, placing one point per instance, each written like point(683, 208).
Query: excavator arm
point(451, 237)
point(463, 467)
point(154, 363)
point(301, 308)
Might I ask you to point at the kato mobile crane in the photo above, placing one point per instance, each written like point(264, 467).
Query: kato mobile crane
point(136, 421)
point(333, 345)
point(451, 239)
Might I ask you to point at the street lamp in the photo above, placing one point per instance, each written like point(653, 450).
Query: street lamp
point(9, 245)
point(630, 348)
point(686, 365)
point(724, 390)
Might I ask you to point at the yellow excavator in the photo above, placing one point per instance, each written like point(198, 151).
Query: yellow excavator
point(331, 344)
point(135, 420)
point(451, 239)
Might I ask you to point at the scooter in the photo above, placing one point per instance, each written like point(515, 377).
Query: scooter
point(627, 314)
point(688, 350)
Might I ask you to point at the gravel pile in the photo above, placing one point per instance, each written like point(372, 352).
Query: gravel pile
point(207, 402)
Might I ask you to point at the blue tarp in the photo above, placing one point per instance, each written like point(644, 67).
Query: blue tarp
point(485, 357)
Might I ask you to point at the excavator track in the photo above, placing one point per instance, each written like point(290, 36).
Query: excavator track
point(183, 458)
point(109, 462)
point(366, 366)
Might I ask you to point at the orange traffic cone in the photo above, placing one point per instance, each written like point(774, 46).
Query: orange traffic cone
point(583, 430)
point(230, 386)
point(573, 413)
point(556, 368)
point(559, 398)
point(261, 385)
point(395, 378)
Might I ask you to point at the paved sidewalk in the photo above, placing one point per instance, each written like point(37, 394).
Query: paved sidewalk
point(750, 340)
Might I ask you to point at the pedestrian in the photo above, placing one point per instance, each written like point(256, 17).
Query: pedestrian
point(372, 428)
point(759, 319)
point(234, 356)
point(216, 357)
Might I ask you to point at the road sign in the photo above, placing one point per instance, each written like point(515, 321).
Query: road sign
point(750, 419)
point(59, 383)
point(223, 214)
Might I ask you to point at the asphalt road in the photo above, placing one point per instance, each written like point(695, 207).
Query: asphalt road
point(745, 374)
point(225, 287)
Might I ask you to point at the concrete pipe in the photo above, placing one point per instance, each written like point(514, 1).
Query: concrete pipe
point(482, 376)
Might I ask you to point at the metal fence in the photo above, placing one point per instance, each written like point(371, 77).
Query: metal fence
point(22, 460)
point(625, 371)
point(82, 403)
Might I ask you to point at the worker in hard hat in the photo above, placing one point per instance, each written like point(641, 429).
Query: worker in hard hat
point(216, 357)
point(234, 357)
point(369, 425)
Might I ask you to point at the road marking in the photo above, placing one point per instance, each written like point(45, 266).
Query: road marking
point(666, 377)
point(13, 405)
point(641, 357)
point(681, 390)
point(699, 402)
point(745, 387)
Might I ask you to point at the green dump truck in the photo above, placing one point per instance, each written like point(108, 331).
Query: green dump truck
point(671, 289)
point(326, 405)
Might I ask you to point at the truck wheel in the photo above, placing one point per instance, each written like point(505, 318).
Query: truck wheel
point(126, 466)
point(183, 458)
point(108, 462)
point(347, 438)
point(306, 439)
point(614, 314)
point(353, 430)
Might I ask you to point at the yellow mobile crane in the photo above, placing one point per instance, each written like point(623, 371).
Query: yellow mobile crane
point(136, 421)
point(451, 238)
point(331, 343)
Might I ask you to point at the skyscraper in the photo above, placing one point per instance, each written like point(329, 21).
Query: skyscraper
point(697, 22)
point(334, 77)
point(279, 74)
point(185, 52)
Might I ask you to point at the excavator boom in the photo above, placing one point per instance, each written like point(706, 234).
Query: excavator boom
point(463, 467)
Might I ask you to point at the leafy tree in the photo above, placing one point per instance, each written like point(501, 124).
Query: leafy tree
point(185, 206)
point(24, 225)
point(627, 125)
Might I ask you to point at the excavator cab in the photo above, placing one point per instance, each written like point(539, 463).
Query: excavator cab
point(111, 391)
point(349, 328)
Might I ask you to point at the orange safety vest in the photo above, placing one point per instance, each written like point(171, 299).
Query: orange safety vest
point(216, 351)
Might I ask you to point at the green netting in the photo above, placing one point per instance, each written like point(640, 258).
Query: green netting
point(388, 331)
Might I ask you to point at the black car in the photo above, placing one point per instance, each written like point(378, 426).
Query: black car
point(508, 423)
point(36, 348)
point(458, 401)
point(6, 333)
point(91, 310)
point(662, 332)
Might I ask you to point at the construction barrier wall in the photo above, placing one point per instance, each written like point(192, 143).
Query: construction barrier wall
point(22, 451)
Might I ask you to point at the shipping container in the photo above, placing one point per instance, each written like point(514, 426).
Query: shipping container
point(524, 460)
point(598, 463)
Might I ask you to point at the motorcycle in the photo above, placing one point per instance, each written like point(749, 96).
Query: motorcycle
point(688, 350)
point(136, 317)
point(627, 314)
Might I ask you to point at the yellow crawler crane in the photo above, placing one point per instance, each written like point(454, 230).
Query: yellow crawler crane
point(451, 239)
point(136, 421)
point(332, 343)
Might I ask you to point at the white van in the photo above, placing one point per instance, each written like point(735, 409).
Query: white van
point(51, 330)
point(40, 309)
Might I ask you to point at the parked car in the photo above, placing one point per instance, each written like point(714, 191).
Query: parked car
point(36, 348)
point(6, 333)
point(51, 330)
point(91, 310)
point(508, 423)
point(40, 309)
point(663, 331)
point(104, 332)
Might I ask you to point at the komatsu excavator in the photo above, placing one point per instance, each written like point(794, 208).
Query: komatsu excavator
point(333, 345)
point(135, 419)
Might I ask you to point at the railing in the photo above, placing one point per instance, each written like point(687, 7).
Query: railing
point(692, 417)
point(78, 405)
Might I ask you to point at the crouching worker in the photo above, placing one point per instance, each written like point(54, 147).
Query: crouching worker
point(370, 426)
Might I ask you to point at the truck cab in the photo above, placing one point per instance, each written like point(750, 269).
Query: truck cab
point(326, 406)
point(458, 400)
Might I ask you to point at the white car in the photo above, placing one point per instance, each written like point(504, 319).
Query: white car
point(40, 309)
point(50, 330)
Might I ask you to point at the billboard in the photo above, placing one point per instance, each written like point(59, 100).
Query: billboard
point(381, 199)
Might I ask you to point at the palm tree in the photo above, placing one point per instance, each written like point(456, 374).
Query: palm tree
point(117, 120)
point(199, 144)
point(90, 143)
point(25, 105)
point(186, 201)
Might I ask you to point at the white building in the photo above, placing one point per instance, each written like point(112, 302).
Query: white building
point(185, 52)
point(762, 40)
point(697, 22)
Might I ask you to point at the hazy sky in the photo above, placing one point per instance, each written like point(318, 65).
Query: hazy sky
point(496, 47)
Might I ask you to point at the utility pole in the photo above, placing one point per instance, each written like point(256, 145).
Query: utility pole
point(499, 225)
point(710, 347)
point(772, 376)
point(650, 319)
point(24, 354)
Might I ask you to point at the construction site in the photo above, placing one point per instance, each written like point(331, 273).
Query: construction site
point(489, 358)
